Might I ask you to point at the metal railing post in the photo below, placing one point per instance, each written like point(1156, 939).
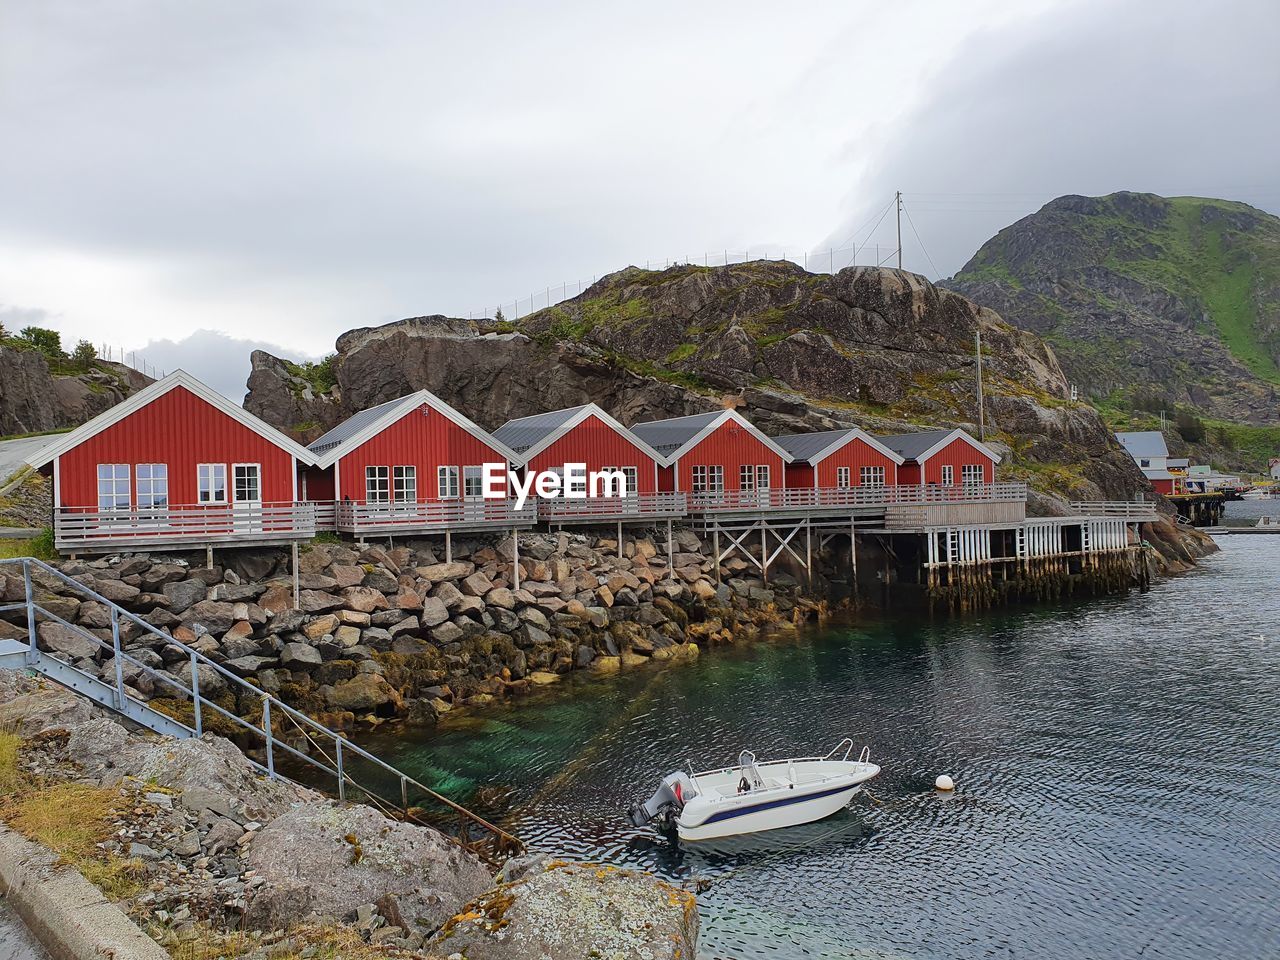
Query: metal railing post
point(342, 780)
point(266, 727)
point(404, 792)
point(195, 694)
point(118, 656)
point(31, 612)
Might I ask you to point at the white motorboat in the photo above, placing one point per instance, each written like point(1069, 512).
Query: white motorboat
point(753, 796)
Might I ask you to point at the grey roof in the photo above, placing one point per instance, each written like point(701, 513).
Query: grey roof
point(1179, 462)
point(351, 426)
point(1144, 443)
point(526, 432)
point(909, 446)
point(668, 436)
point(805, 446)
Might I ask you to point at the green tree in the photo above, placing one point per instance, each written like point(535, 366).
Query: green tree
point(84, 355)
point(1190, 427)
point(48, 342)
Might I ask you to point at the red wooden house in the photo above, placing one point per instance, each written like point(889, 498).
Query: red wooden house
point(176, 463)
point(943, 458)
point(719, 459)
point(411, 465)
point(588, 435)
point(835, 461)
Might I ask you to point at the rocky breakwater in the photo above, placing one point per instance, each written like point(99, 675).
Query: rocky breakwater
point(214, 860)
point(382, 633)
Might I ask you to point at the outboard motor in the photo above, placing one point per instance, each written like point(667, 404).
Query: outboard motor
point(667, 801)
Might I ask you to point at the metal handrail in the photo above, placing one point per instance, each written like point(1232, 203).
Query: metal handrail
point(502, 841)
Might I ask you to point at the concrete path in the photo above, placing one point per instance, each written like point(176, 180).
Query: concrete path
point(14, 453)
point(16, 941)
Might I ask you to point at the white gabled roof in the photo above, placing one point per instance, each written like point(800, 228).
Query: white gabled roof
point(544, 429)
point(813, 448)
point(682, 434)
point(179, 378)
point(365, 427)
point(924, 444)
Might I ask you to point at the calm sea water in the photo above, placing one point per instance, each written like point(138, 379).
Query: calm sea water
point(1118, 765)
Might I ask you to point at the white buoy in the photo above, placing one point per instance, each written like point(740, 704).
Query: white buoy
point(944, 783)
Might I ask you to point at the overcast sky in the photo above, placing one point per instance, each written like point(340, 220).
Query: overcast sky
point(280, 172)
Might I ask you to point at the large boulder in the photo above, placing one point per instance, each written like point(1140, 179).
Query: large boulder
point(566, 911)
point(183, 594)
point(215, 616)
point(322, 859)
point(70, 644)
point(364, 693)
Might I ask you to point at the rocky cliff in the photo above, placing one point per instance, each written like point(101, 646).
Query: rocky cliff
point(34, 398)
point(882, 349)
point(1176, 298)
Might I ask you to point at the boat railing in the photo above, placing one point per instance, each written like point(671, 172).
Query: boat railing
point(847, 743)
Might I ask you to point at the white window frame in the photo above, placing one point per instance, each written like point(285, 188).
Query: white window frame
point(115, 479)
point(377, 483)
point(473, 482)
point(153, 478)
point(871, 476)
point(948, 475)
point(633, 480)
point(747, 478)
point(404, 483)
point(844, 478)
point(447, 483)
point(206, 486)
point(764, 477)
point(712, 478)
point(967, 472)
point(235, 479)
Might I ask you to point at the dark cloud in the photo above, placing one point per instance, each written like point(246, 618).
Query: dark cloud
point(1176, 98)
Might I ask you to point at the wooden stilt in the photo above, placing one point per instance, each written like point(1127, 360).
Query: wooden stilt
point(715, 545)
point(208, 555)
point(671, 553)
point(619, 539)
point(515, 558)
point(853, 557)
point(448, 546)
point(808, 551)
point(293, 565)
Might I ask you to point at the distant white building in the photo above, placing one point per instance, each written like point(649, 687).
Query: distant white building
point(1275, 468)
point(1151, 453)
point(1204, 479)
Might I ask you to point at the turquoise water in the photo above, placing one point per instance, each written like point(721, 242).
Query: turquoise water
point(1118, 765)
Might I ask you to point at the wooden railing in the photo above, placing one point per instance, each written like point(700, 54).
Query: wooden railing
point(861, 496)
point(183, 523)
point(1138, 510)
point(664, 504)
point(363, 517)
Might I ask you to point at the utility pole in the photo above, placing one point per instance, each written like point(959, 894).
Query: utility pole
point(982, 419)
point(898, 203)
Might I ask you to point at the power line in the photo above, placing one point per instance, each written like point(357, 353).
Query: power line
point(912, 224)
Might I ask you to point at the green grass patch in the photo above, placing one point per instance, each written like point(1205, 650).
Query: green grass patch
point(40, 547)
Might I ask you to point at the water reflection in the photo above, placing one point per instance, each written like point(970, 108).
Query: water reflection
point(1117, 765)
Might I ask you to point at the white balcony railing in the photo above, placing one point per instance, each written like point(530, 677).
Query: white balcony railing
point(664, 504)
point(363, 517)
point(1118, 509)
point(863, 496)
point(203, 523)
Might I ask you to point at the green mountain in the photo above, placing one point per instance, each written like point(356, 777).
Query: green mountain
point(1150, 303)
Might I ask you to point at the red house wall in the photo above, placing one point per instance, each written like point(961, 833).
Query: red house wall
point(957, 453)
point(598, 445)
point(1163, 486)
point(181, 430)
point(799, 475)
point(731, 446)
point(425, 442)
point(855, 455)
point(319, 484)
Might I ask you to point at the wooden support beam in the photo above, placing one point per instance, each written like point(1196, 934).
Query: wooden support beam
point(515, 557)
point(448, 546)
point(293, 565)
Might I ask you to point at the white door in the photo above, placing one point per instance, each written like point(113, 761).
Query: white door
point(246, 497)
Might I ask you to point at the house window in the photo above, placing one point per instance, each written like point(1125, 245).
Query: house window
point(632, 475)
point(113, 486)
point(405, 487)
point(973, 473)
point(153, 485)
point(746, 478)
point(447, 483)
point(762, 477)
point(246, 483)
point(377, 485)
point(473, 483)
point(708, 479)
point(211, 483)
point(1144, 462)
point(842, 477)
point(871, 476)
point(948, 474)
